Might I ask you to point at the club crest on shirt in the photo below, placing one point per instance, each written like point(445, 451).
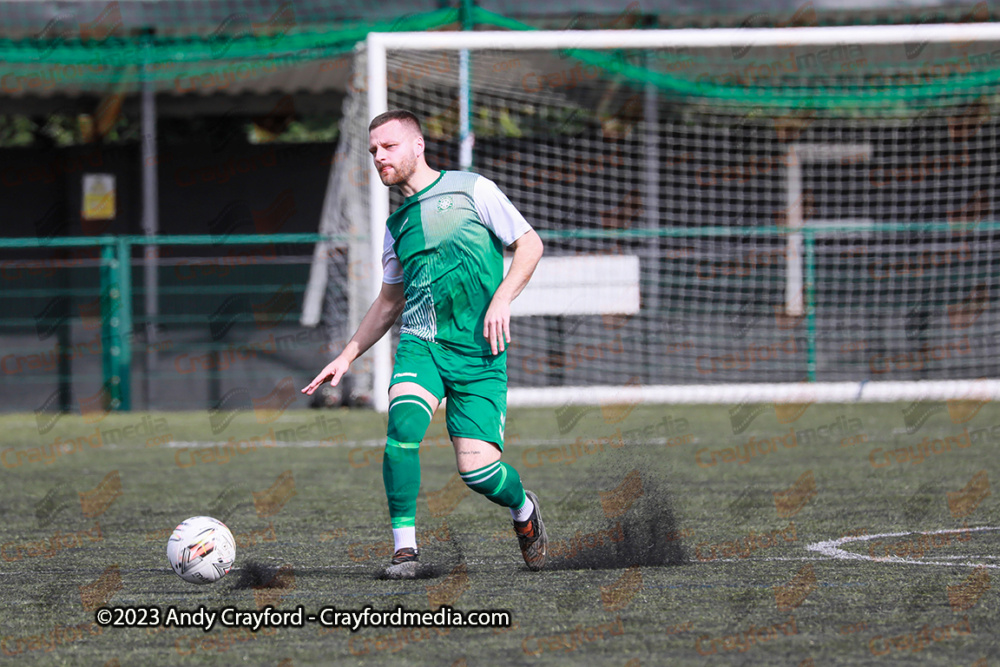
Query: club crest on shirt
point(444, 203)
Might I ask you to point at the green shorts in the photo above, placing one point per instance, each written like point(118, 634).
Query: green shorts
point(476, 387)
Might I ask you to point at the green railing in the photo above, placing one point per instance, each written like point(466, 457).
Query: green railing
point(116, 291)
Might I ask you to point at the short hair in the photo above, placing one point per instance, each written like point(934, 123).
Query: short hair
point(402, 115)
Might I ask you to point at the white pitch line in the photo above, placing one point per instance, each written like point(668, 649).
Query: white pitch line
point(831, 548)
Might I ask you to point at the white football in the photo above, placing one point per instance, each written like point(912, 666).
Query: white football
point(201, 550)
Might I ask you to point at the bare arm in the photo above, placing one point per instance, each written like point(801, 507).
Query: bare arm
point(376, 322)
point(527, 252)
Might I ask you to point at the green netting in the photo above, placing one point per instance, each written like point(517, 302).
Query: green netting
point(890, 78)
point(253, 50)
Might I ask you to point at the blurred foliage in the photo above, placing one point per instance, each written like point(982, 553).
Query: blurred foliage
point(60, 130)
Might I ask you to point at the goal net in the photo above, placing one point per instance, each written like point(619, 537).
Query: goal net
point(775, 214)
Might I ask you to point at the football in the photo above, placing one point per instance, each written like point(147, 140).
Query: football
point(201, 550)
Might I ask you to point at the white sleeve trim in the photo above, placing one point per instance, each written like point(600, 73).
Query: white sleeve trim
point(392, 269)
point(497, 213)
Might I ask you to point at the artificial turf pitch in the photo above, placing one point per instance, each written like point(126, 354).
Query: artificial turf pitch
point(678, 535)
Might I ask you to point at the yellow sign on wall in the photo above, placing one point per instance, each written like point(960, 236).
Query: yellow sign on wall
point(98, 197)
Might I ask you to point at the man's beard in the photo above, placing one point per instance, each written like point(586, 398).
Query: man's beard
point(399, 174)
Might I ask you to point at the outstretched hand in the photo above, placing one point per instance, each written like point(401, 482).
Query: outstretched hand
point(332, 372)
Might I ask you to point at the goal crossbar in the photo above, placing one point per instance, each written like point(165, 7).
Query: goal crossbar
point(684, 38)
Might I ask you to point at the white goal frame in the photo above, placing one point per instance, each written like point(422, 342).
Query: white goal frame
point(377, 46)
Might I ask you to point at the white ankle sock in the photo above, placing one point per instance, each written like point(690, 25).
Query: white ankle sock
point(525, 512)
point(405, 537)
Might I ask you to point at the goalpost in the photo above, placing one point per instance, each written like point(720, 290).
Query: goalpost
point(787, 215)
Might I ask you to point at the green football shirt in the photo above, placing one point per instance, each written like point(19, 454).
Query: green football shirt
point(445, 244)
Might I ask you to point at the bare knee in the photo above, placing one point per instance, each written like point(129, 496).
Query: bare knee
point(472, 454)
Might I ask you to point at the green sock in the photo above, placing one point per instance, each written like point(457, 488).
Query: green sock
point(499, 482)
point(401, 475)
